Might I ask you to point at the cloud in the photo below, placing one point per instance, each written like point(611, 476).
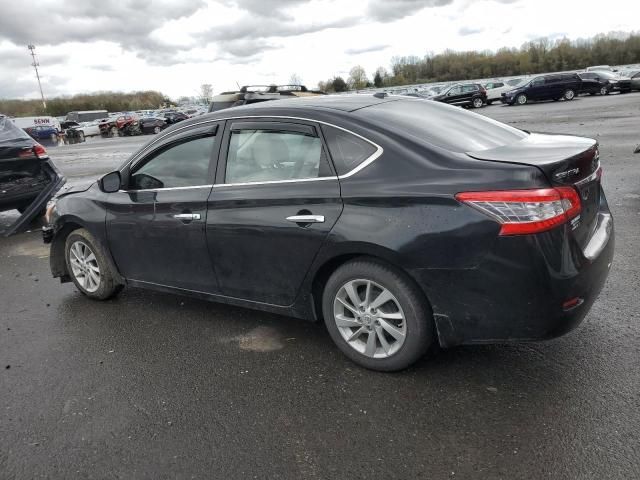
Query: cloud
point(470, 30)
point(126, 23)
point(264, 7)
point(16, 58)
point(390, 10)
point(372, 48)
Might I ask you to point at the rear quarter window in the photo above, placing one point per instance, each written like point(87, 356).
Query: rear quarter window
point(347, 150)
point(444, 126)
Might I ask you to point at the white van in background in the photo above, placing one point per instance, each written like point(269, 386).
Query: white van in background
point(29, 122)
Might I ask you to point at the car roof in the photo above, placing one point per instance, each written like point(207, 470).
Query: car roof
point(345, 103)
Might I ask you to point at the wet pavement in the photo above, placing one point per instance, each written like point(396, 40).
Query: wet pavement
point(157, 386)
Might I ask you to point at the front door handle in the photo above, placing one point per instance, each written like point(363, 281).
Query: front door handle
point(306, 218)
point(187, 216)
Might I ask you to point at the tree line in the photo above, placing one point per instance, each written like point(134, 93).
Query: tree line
point(110, 101)
point(539, 56)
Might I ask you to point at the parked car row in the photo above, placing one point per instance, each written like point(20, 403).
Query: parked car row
point(558, 86)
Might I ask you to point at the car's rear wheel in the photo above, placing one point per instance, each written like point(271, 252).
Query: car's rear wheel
point(521, 99)
point(80, 137)
point(477, 103)
point(569, 94)
point(89, 267)
point(156, 130)
point(604, 91)
point(376, 316)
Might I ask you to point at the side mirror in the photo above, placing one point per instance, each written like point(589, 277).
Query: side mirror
point(111, 182)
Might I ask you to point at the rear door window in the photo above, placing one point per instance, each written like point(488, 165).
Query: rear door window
point(268, 155)
point(347, 150)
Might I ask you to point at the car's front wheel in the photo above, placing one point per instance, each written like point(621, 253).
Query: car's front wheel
point(88, 266)
point(521, 99)
point(604, 91)
point(156, 130)
point(376, 316)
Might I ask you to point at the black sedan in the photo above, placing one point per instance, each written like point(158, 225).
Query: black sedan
point(404, 224)
point(607, 82)
point(152, 124)
point(28, 178)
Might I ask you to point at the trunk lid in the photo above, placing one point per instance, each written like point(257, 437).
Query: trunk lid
point(565, 161)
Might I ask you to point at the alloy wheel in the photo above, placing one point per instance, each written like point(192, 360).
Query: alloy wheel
point(156, 130)
point(522, 99)
point(603, 91)
point(369, 318)
point(84, 266)
point(477, 102)
point(569, 94)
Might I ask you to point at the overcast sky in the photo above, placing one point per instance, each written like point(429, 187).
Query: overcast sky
point(176, 45)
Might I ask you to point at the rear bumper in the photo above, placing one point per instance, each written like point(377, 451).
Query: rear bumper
point(531, 287)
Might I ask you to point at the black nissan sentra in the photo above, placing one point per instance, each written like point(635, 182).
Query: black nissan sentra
point(404, 224)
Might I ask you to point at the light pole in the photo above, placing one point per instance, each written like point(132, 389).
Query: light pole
point(36, 65)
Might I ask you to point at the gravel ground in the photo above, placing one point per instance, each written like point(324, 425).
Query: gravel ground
point(158, 386)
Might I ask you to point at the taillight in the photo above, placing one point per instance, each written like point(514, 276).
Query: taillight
point(39, 151)
point(523, 212)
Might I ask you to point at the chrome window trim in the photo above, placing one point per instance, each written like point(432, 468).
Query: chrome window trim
point(165, 189)
point(365, 163)
point(270, 182)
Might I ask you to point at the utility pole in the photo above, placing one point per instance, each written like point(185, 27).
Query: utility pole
point(35, 65)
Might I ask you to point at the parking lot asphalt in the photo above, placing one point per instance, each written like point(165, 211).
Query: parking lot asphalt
point(156, 386)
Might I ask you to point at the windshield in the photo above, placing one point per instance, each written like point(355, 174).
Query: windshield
point(215, 106)
point(520, 82)
point(609, 75)
point(9, 132)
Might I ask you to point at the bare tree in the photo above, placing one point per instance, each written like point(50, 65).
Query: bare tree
point(295, 79)
point(206, 92)
point(358, 78)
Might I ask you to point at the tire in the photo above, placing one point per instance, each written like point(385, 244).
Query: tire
point(521, 99)
point(81, 241)
point(489, 102)
point(114, 132)
point(477, 103)
point(604, 91)
point(569, 94)
point(81, 137)
point(406, 302)
point(156, 130)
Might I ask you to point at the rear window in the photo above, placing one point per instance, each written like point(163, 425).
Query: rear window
point(347, 150)
point(444, 126)
point(9, 132)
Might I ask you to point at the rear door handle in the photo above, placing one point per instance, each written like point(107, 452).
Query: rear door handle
point(306, 218)
point(187, 216)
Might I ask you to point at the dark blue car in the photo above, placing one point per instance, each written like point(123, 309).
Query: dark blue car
point(43, 133)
